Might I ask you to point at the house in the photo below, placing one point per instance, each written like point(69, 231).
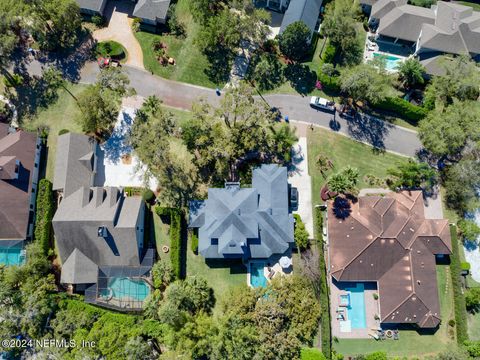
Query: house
point(388, 241)
point(99, 231)
point(245, 223)
point(307, 11)
point(19, 166)
point(150, 12)
point(445, 28)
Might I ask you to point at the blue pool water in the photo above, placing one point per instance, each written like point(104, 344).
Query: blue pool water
point(11, 256)
point(391, 61)
point(356, 311)
point(123, 288)
point(257, 278)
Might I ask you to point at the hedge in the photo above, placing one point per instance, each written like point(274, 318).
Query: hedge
point(326, 331)
point(403, 108)
point(44, 215)
point(194, 243)
point(458, 297)
point(176, 244)
point(311, 354)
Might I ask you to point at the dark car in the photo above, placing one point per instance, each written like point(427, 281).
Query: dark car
point(293, 198)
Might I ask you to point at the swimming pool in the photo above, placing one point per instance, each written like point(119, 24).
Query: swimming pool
point(391, 61)
point(257, 277)
point(356, 311)
point(11, 255)
point(123, 288)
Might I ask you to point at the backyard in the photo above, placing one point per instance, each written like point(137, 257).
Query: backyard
point(190, 63)
point(412, 343)
point(343, 151)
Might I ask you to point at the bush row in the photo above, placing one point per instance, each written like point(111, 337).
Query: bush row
point(175, 232)
point(458, 297)
point(403, 108)
point(326, 332)
point(44, 215)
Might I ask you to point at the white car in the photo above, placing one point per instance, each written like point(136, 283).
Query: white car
point(321, 103)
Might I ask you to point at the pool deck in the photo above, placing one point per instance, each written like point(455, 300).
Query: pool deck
point(371, 308)
point(276, 268)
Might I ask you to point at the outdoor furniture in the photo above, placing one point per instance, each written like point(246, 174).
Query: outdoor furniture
point(285, 262)
point(395, 335)
point(270, 274)
point(165, 249)
point(389, 333)
point(340, 316)
point(375, 336)
point(340, 309)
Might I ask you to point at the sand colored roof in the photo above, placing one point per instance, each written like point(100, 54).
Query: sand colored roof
point(388, 240)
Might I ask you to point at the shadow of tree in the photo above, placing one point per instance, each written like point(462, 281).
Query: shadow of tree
point(369, 129)
point(220, 61)
point(301, 78)
point(117, 145)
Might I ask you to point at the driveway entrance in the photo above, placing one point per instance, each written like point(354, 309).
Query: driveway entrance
point(119, 29)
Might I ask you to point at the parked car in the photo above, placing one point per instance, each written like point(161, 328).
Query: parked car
point(322, 103)
point(293, 198)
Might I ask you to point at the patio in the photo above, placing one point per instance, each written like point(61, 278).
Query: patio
point(282, 266)
point(371, 309)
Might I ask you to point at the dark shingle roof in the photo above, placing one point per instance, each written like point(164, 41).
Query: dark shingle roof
point(15, 147)
point(92, 5)
point(151, 9)
point(394, 247)
point(245, 222)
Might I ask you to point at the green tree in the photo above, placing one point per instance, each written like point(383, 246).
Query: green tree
point(300, 233)
point(202, 10)
point(9, 28)
point(116, 80)
point(266, 71)
point(339, 26)
point(412, 175)
point(446, 132)
point(162, 274)
point(460, 81)
point(344, 181)
point(56, 23)
point(365, 83)
point(461, 182)
point(294, 42)
point(472, 299)
point(137, 348)
point(329, 70)
point(99, 110)
point(469, 230)
point(411, 73)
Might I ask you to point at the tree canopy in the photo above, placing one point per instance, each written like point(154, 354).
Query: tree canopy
point(411, 175)
point(294, 42)
point(411, 73)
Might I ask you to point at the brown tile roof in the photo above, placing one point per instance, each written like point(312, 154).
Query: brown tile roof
point(389, 241)
point(15, 192)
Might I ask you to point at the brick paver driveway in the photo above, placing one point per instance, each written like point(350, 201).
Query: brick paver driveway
point(119, 29)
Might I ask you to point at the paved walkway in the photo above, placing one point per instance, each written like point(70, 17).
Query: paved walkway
point(472, 252)
point(299, 178)
point(119, 29)
point(365, 129)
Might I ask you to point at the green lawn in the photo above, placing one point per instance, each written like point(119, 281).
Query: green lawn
point(343, 151)
point(190, 62)
point(411, 343)
point(161, 236)
point(222, 276)
point(60, 115)
point(474, 326)
point(474, 5)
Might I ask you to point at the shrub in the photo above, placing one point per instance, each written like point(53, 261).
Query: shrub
point(311, 354)
point(148, 195)
point(176, 250)
point(44, 215)
point(194, 243)
point(451, 322)
point(473, 349)
point(472, 299)
point(98, 20)
point(328, 55)
point(403, 108)
point(326, 332)
point(378, 355)
point(13, 80)
point(63, 131)
point(329, 83)
point(375, 296)
point(469, 230)
point(301, 234)
point(459, 299)
point(465, 266)
point(136, 25)
point(162, 274)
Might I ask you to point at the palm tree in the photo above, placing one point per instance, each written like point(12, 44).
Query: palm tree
point(411, 73)
point(283, 138)
point(323, 164)
point(344, 181)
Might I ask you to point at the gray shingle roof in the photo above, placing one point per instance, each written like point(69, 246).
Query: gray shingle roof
point(302, 10)
point(92, 5)
point(405, 22)
point(18, 146)
point(74, 164)
point(79, 269)
point(151, 9)
point(245, 222)
point(383, 7)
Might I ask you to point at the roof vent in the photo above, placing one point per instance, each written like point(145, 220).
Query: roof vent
point(419, 282)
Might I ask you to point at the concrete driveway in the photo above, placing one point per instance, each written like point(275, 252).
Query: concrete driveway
point(119, 29)
point(299, 178)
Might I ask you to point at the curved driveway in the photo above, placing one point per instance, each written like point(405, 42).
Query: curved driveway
point(377, 133)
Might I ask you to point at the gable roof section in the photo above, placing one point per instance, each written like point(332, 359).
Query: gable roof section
point(302, 10)
point(405, 22)
point(400, 258)
point(79, 269)
point(74, 163)
point(15, 191)
point(245, 222)
point(151, 9)
point(92, 5)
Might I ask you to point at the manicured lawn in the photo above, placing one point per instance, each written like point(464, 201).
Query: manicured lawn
point(190, 62)
point(411, 343)
point(474, 326)
point(343, 151)
point(161, 236)
point(60, 115)
point(474, 5)
point(181, 115)
point(221, 275)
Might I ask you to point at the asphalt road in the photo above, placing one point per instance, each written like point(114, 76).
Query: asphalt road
point(377, 133)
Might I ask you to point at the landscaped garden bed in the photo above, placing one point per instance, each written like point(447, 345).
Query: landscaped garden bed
point(111, 49)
